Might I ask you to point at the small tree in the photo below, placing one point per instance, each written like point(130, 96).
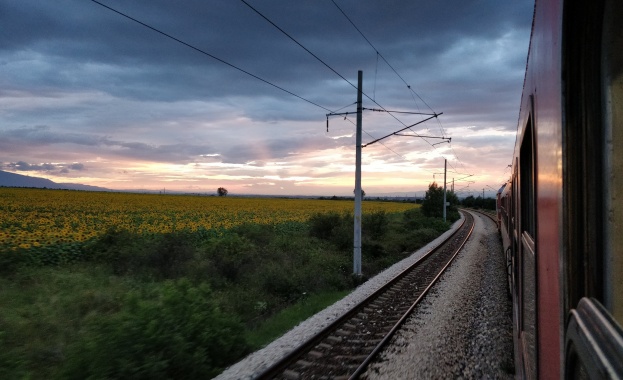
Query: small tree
point(221, 191)
point(433, 203)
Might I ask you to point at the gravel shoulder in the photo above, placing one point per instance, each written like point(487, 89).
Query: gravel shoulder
point(463, 329)
point(255, 363)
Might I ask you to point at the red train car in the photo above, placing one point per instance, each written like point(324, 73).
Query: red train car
point(561, 213)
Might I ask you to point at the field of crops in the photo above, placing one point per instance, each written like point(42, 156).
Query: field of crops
point(124, 285)
point(40, 217)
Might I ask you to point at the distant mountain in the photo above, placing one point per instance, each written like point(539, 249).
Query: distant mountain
point(17, 180)
point(79, 186)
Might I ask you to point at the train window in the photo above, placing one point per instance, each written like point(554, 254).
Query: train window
point(612, 88)
point(592, 158)
point(526, 181)
point(593, 186)
point(527, 257)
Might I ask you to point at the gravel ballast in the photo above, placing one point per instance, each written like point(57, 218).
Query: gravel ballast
point(463, 329)
point(251, 366)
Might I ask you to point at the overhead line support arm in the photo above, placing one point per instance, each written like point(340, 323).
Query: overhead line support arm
point(412, 125)
point(410, 113)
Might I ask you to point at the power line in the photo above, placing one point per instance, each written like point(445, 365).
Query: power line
point(381, 55)
point(399, 76)
point(209, 55)
point(323, 62)
point(385, 146)
point(298, 43)
point(443, 133)
point(410, 113)
point(257, 77)
point(253, 75)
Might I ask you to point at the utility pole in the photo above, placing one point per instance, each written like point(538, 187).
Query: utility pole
point(483, 193)
point(358, 147)
point(357, 240)
point(445, 168)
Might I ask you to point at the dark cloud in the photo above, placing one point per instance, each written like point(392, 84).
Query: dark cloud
point(79, 80)
point(45, 136)
point(44, 167)
point(25, 167)
point(176, 153)
point(86, 45)
point(275, 149)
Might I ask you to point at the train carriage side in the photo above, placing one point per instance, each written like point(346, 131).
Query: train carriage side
point(565, 221)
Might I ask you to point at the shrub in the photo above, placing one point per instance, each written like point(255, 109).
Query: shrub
point(231, 255)
point(12, 260)
point(415, 220)
point(162, 256)
point(374, 225)
point(322, 226)
point(169, 255)
point(372, 249)
point(286, 285)
point(174, 330)
point(256, 233)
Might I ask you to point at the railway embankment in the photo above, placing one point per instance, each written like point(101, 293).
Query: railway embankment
point(463, 329)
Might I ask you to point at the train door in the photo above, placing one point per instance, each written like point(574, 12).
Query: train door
point(527, 302)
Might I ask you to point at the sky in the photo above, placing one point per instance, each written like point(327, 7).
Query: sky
point(90, 96)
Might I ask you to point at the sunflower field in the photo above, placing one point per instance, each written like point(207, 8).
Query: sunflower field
point(42, 217)
point(127, 285)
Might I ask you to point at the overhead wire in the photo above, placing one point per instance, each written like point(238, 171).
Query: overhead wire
point(413, 92)
point(388, 148)
point(323, 62)
point(219, 59)
point(202, 51)
point(396, 153)
point(296, 42)
point(381, 55)
point(209, 54)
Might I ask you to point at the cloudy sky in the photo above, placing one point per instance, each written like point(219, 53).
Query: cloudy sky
point(90, 96)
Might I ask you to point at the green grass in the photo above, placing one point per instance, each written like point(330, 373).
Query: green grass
point(291, 316)
point(44, 309)
point(184, 304)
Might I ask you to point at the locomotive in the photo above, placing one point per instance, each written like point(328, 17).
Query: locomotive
point(561, 212)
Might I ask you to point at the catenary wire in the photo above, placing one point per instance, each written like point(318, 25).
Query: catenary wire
point(381, 55)
point(247, 72)
point(413, 92)
point(323, 62)
point(298, 43)
point(209, 55)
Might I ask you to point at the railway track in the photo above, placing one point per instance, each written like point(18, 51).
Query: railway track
point(343, 349)
point(485, 213)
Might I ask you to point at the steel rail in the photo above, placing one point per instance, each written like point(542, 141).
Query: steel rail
point(482, 213)
point(406, 315)
point(280, 366)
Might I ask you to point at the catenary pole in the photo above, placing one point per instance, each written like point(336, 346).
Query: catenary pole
point(445, 167)
point(358, 195)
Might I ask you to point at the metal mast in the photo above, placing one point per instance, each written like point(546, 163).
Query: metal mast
point(358, 195)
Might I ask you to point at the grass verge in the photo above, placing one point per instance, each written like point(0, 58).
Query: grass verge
point(184, 304)
point(291, 316)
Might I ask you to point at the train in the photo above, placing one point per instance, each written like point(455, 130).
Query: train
point(560, 214)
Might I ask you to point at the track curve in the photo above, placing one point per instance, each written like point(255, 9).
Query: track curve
point(343, 349)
